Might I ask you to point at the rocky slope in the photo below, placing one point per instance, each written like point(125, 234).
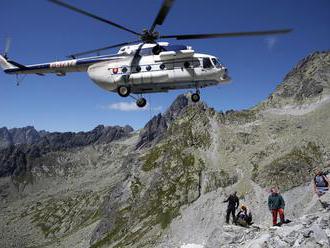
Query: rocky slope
point(26, 145)
point(164, 186)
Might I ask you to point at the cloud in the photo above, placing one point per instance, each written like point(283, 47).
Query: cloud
point(271, 42)
point(129, 106)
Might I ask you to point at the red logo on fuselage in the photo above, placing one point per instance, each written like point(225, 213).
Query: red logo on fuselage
point(115, 70)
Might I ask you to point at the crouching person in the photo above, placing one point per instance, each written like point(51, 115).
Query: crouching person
point(244, 217)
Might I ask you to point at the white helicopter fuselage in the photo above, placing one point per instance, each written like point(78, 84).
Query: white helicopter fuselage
point(158, 73)
point(144, 73)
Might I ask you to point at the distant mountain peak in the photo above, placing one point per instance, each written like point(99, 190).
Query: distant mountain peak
point(29, 135)
point(308, 81)
point(155, 128)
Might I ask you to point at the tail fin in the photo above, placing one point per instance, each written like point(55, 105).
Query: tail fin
point(5, 65)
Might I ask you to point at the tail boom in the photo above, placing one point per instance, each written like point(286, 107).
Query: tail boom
point(6, 65)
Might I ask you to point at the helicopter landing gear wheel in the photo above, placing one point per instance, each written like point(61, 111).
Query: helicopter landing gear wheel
point(195, 97)
point(124, 91)
point(141, 102)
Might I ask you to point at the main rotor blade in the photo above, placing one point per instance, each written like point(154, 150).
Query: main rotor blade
point(65, 5)
point(7, 46)
point(225, 35)
point(167, 4)
point(101, 49)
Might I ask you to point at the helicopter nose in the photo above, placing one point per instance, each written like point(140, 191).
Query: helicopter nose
point(224, 74)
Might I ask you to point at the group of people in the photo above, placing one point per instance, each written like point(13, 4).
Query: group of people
point(276, 203)
point(243, 217)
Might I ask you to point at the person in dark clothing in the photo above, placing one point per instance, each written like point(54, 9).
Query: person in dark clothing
point(244, 217)
point(276, 205)
point(233, 204)
point(321, 183)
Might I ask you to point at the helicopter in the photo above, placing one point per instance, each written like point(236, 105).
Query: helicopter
point(144, 65)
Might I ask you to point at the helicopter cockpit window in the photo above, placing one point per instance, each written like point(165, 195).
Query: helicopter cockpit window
point(216, 63)
point(207, 63)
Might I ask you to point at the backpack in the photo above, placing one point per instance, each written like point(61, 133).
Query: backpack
point(324, 180)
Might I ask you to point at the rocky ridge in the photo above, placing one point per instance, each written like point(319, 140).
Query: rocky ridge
point(307, 82)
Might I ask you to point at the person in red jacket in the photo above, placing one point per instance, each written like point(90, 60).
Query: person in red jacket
point(276, 205)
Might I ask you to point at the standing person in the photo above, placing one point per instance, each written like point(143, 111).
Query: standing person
point(276, 205)
point(233, 204)
point(321, 183)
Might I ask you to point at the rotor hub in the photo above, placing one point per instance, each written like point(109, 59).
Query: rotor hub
point(149, 37)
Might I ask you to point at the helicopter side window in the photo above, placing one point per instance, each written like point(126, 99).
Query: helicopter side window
point(148, 68)
point(162, 66)
point(207, 63)
point(196, 63)
point(216, 63)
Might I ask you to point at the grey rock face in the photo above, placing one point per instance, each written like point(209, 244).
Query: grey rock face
point(155, 129)
point(25, 135)
point(176, 108)
point(152, 131)
point(5, 138)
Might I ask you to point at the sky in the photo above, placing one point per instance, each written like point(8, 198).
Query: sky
point(42, 32)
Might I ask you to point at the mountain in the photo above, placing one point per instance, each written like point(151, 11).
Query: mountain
point(164, 186)
point(156, 128)
point(307, 82)
point(25, 145)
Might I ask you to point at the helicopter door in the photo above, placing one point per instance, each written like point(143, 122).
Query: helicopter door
point(183, 70)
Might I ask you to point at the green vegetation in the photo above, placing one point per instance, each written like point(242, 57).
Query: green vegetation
point(290, 170)
point(175, 182)
point(116, 232)
point(217, 179)
point(57, 217)
point(151, 158)
point(238, 117)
